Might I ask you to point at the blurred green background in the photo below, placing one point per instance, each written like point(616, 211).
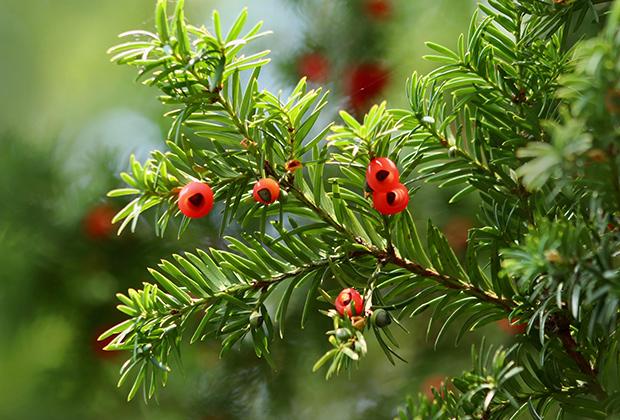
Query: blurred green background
point(69, 120)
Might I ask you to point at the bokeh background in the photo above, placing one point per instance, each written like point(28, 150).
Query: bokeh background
point(69, 119)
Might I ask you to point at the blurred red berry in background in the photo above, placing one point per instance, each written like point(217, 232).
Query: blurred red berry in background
point(365, 82)
point(314, 66)
point(98, 221)
point(513, 329)
point(378, 9)
point(98, 346)
point(433, 381)
point(456, 232)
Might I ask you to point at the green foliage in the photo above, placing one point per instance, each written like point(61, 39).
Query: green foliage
point(513, 115)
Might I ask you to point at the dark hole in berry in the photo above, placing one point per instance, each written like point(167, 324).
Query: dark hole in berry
point(345, 299)
point(391, 197)
point(265, 195)
point(196, 199)
point(381, 175)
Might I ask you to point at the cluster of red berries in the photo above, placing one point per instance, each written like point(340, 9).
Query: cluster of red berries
point(389, 196)
point(196, 198)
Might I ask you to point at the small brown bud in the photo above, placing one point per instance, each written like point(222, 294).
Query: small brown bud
point(553, 256)
point(248, 144)
point(293, 165)
point(612, 101)
point(359, 322)
point(520, 97)
point(597, 155)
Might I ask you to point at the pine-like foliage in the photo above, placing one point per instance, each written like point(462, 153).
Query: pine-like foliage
point(518, 114)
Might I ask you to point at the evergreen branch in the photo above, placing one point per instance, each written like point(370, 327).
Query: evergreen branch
point(447, 281)
point(572, 349)
point(156, 314)
point(553, 254)
point(413, 267)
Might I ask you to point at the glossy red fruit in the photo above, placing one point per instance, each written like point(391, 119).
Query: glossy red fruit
point(349, 301)
point(382, 174)
point(266, 190)
point(196, 200)
point(314, 66)
point(392, 201)
point(98, 222)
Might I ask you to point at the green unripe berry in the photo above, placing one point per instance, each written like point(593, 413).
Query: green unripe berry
point(343, 334)
point(381, 318)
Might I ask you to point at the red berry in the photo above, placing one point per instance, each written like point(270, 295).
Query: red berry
point(379, 9)
point(266, 190)
point(366, 81)
point(349, 301)
point(196, 200)
point(98, 222)
point(314, 66)
point(392, 201)
point(382, 174)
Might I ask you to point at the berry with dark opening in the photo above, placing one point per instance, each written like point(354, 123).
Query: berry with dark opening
point(266, 190)
point(392, 201)
point(196, 200)
point(349, 302)
point(382, 174)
